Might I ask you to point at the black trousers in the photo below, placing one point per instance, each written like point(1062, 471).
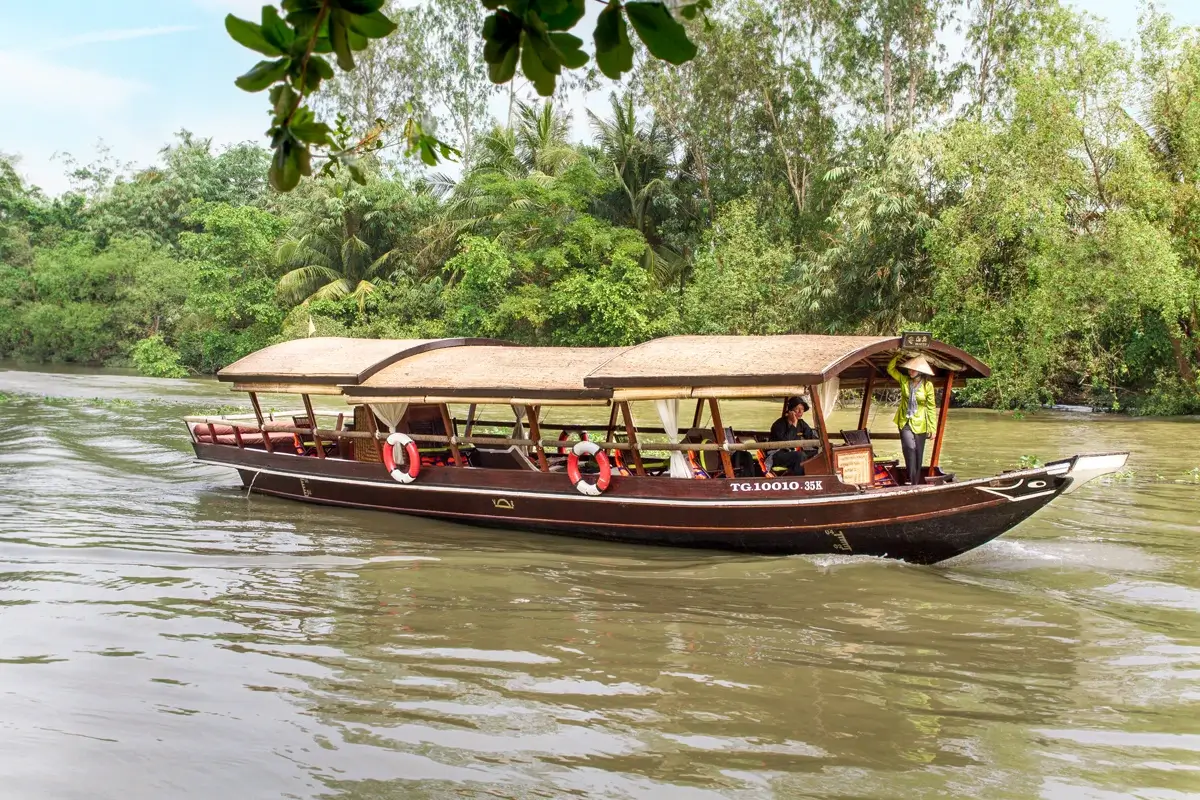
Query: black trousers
point(913, 445)
point(792, 459)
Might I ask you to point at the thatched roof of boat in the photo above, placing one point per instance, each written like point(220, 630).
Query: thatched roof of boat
point(330, 360)
point(796, 360)
point(489, 371)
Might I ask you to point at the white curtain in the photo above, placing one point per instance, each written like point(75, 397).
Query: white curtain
point(519, 430)
point(829, 396)
point(389, 414)
point(668, 414)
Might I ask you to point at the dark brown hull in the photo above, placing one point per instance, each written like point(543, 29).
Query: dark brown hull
point(810, 515)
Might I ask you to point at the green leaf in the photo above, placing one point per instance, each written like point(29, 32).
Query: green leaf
point(283, 99)
point(428, 155)
point(614, 54)
point(263, 74)
point(565, 19)
point(491, 5)
point(662, 34)
point(570, 50)
point(501, 31)
point(372, 26)
point(539, 63)
point(502, 71)
point(313, 132)
point(275, 30)
point(286, 166)
point(338, 36)
point(698, 8)
point(318, 69)
point(247, 34)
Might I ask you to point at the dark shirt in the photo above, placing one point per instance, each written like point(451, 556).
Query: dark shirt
point(784, 431)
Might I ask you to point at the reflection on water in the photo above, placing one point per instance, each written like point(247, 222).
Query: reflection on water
point(164, 635)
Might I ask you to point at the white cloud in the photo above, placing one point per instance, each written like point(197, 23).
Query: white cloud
point(107, 36)
point(42, 85)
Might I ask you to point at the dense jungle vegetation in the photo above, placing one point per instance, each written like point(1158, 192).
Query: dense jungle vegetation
point(820, 166)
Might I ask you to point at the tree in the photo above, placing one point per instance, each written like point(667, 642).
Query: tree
point(743, 279)
point(345, 239)
point(533, 34)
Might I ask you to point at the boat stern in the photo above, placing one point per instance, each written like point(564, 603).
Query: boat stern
point(1081, 469)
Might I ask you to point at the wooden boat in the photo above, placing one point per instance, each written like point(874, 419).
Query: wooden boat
point(401, 442)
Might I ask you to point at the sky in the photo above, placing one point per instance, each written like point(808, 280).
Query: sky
point(130, 73)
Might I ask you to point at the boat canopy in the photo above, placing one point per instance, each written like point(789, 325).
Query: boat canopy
point(325, 364)
point(765, 361)
point(489, 374)
point(491, 371)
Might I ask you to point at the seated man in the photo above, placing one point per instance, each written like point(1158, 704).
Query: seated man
point(790, 427)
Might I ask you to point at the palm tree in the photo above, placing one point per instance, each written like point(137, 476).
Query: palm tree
point(534, 149)
point(341, 248)
point(642, 156)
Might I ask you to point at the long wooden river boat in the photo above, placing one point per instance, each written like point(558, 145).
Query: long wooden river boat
point(460, 429)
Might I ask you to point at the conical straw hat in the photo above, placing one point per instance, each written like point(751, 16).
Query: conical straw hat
point(919, 364)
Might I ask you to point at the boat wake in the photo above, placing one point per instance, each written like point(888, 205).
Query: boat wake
point(1013, 555)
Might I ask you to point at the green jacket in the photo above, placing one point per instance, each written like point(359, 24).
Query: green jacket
point(926, 419)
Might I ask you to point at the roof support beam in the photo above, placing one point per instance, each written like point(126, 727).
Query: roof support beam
point(947, 388)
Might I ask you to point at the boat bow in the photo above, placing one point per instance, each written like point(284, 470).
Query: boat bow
point(1081, 469)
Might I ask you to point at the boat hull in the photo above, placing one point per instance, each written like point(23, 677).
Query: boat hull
point(812, 515)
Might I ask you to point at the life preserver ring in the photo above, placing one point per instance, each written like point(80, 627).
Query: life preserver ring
point(586, 448)
point(396, 443)
point(562, 437)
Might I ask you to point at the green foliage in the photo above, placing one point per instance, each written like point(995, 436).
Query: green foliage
point(743, 281)
point(533, 34)
point(154, 358)
point(816, 167)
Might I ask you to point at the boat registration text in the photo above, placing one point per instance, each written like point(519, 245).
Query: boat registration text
point(778, 486)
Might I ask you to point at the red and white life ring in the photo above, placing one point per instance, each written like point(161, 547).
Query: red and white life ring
point(586, 448)
point(564, 438)
point(399, 444)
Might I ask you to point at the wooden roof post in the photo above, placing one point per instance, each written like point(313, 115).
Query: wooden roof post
point(535, 433)
point(698, 417)
point(819, 418)
point(452, 432)
point(262, 425)
point(719, 430)
point(868, 391)
point(612, 423)
point(631, 435)
point(312, 423)
point(470, 420)
point(941, 426)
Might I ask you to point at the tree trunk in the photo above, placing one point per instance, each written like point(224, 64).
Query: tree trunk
point(794, 181)
point(888, 98)
point(1182, 365)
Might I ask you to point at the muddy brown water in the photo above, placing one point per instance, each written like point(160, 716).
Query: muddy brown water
point(163, 635)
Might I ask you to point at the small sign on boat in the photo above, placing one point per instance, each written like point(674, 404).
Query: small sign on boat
point(915, 340)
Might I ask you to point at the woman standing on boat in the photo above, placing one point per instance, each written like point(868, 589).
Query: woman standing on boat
point(917, 414)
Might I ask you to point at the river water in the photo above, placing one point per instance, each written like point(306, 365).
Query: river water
point(162, 635)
